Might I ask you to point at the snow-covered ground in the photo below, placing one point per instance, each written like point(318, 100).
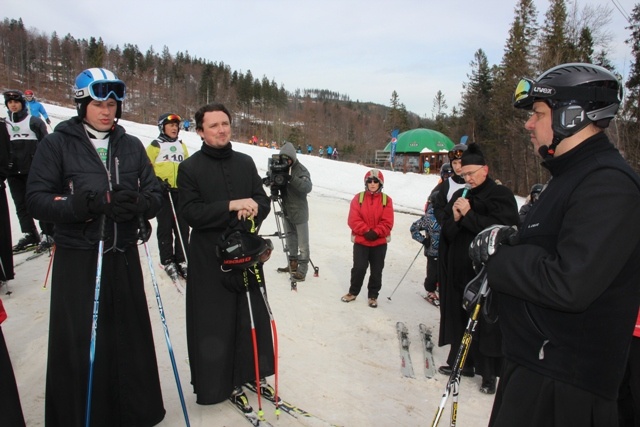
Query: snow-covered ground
point(338, 361)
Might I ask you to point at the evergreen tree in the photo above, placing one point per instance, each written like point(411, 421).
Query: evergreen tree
point(630, 139)
point(397, 118)
point(476, 98)
point(554, 47)
point(508, 147)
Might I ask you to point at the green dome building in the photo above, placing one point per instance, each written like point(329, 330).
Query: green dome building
point(417, 146)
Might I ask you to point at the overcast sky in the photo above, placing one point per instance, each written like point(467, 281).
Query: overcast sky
point(365, 49)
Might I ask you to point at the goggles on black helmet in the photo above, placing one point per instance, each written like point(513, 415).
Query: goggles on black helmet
point(171, 118)
point(528, 91)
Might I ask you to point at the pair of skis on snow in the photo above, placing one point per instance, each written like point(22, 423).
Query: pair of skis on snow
point(406, 367)
point(256, 420)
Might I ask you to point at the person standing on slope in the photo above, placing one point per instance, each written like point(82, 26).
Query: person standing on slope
point(371, 221)
point(87, 173)
point(36, 109)
point(166, 152)
point(296, 214)
point(219, 190)
point(568, 279)
point(25, 132)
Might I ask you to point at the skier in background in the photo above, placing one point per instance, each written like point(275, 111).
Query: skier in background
point(166, 152)
point(36, 109)
point(25, 132)
point(6, 254)
point(534, 194)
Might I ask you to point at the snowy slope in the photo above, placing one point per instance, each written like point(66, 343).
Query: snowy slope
point(338, 361)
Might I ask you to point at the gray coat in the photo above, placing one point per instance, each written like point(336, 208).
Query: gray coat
point(294, 196)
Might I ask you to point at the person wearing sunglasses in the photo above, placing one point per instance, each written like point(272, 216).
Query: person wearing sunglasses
point(371, 221)
point(25, 133)
point(480, 204)
point(166, 152)
point(296, 215)
point(568, 278)
point(96, 184)
point(36, 109)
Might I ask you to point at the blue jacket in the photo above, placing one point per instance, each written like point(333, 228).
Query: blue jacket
point(36, 109)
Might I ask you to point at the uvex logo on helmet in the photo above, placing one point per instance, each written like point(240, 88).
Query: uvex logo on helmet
point(544, 90)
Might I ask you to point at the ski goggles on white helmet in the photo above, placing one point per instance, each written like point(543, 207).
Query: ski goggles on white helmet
point(99, 84)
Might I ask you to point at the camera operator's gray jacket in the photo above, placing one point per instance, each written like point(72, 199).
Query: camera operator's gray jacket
point(294, 196)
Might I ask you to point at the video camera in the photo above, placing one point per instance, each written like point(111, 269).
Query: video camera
point(277, 174)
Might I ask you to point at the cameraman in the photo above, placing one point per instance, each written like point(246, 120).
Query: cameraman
point(296, 214)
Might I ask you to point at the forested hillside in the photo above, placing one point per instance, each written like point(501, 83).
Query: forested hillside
point(181, 82)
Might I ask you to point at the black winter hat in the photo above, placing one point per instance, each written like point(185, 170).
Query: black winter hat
point(473, 156)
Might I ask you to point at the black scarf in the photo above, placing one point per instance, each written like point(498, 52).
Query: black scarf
point(217, 153)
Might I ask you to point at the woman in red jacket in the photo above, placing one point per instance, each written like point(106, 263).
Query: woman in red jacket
point(371, 221)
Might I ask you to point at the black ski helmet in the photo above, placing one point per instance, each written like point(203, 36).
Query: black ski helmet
point(446, 171)
point(577, 93)
point(168, 118)
point(240, 250)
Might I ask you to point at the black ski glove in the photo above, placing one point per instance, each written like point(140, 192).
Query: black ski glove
point(486, 243)
point(370, 235)
point(126, 204)
point(166, 187)
point(48, 121)
point(89, 203)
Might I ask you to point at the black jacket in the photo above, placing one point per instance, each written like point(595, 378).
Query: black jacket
point(569, 292)
point(23, 150)
point(67, 164)
point(490, 204)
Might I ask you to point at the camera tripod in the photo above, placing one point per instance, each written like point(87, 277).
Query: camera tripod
point(280, 216)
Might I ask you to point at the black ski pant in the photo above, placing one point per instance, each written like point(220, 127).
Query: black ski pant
point(431, 280)
point(169, 243)
point(364, 257)
point(18, 188)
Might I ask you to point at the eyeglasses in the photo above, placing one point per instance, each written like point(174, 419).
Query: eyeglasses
point(464, 175)
point(102, 90)
point(375, 180)
point(455, 154)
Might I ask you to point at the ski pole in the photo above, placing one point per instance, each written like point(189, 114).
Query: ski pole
point(254, 340)
point(94, 322)
point(453, 384)
point(275, 337)
point(175, 218)
point(144, 235)
point(46, 278)
point(410, 265)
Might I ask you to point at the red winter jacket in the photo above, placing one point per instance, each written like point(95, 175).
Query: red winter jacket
point(371, 215)
point(3, 314)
